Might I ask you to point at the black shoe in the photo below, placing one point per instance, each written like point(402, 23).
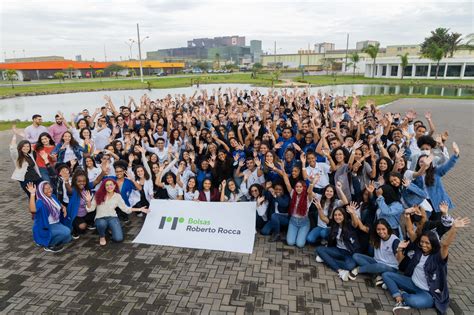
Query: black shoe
point(91, 227)
point(75, 236)
point(275, 238)
point(54, 249)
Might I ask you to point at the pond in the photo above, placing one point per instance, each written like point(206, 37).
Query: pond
point(47, 105)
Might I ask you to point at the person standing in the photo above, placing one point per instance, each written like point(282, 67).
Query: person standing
point(57, 129)
point(33, 131)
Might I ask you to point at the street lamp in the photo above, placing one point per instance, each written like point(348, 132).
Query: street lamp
point(140, 51)
point(130, 44)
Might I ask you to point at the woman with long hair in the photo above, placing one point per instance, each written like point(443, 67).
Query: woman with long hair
point(191, 192)
point(44, 144)
point(230, 192)
point(385, 245)
point(342, 244)
point(104, 202)
point(424, 283)
point(208, 192)
point(48, 228)
point(68, 149)
point(26, 170)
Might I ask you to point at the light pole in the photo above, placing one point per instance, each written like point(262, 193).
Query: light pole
point(140, 51)
point(130, 44)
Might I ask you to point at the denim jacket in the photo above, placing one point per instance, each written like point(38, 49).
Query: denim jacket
point(391, 212)
point(436, 192)
point(78, 150)
point(413, 195)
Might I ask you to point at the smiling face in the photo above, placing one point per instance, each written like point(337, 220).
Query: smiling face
point(44, 140)
point(383, 166)
point(425, 245)
point(338, 217)
point(48, 190)
point(25, 149)
point(206, 185)
point(339, 156)
point(231, 186)
point(109, 186)
point(299, 188)
point(382, 231)
point(140, 172)
point(269, 157)
point(329, 193)
point(89, 163)
point(67, 137)
point(395, 181)
point(81, 182)
point(254, 192)
point(192, 183)
point(119, 172)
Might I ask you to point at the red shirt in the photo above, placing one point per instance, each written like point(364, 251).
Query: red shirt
point(39, 159)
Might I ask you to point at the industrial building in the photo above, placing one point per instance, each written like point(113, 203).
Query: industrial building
point(227, 48)
point(39, 68)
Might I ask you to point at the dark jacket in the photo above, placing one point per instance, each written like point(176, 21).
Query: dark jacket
point(436, 273)
point(215, 195)
point(283, 203)
point(349, 236)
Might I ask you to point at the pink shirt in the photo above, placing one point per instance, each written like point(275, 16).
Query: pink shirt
point(56, 131)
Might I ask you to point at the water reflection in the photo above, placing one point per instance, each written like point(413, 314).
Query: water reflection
point(47, 105)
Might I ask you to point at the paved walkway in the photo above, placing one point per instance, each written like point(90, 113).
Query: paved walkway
point(275, 279)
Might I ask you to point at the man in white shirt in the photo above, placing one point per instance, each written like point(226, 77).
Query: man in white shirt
point(313, 169)
point(101, 134)
point(33, 131)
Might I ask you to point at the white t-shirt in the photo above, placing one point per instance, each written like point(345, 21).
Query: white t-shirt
point(337, 203)
point(69, 154)
point(418, 277)
point(340, 241)
point(191, 195)
point(323, 170)
point(173, 193)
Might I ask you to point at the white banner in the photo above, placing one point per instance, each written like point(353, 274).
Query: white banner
point(227, 226)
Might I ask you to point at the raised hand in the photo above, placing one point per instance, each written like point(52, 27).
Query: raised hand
point(88, 196)
point(351, 208)
point(31, 188)
point(406, 182)
point(461, 222)
point(379, 192)
point(303, 159)
point(443, 207)
point(403, 244)
point(455, 148)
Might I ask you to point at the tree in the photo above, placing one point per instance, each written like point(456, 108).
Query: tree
point(11, 75)
point(372, 51)
point(114, 69)
point(403, 62)
point(454, 43)
point(435, 53)
point(355, 58)
point(256, 68)
point(201, 65)
point(440, 37)
point(327, 64)
point(99, 73)
point(59, 75)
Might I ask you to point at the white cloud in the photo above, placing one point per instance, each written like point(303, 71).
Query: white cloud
point(83, 27)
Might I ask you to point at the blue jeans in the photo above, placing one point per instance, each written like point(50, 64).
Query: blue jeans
point(112, 223)
point(368, 264)
point(60, 234)
point(317, 233)
point(413, 296)
point(276, 220)
point(336, 258)
point(44, 174)
point(298, 229)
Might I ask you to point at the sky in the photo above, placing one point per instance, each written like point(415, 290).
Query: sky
point(100, 29)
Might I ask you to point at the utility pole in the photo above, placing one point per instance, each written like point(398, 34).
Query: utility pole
point(105, 54)
point(140, 53)
point(347, 50)
point(275, 54)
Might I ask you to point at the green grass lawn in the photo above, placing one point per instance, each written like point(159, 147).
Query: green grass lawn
point(330, 80)
point(154, 83)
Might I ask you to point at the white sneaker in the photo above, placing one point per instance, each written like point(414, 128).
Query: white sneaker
point(319, 259)
point(344, 275)
point(384, 286)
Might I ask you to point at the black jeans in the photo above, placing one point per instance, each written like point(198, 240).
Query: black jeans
point(88, 219)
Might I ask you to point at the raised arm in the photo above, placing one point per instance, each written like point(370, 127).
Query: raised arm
point(451, 235)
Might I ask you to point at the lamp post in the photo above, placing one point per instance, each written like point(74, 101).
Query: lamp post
point(140, 51)
point(130, 44)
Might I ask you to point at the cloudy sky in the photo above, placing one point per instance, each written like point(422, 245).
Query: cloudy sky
point(68, 28)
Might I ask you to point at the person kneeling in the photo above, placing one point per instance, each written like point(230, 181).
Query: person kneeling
point(48, 228)
point(105, 201)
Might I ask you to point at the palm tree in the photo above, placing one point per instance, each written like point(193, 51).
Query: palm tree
point(355, 58)
point(435, 53)
point(454, 43)
point(440, 37)
point(372, 51)
point(403, 62)
point(11, 75)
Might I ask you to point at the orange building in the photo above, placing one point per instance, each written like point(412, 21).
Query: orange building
point(37, 70)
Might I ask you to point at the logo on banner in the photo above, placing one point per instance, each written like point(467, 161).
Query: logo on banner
point(170, 220)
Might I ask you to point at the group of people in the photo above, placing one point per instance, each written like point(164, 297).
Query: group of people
point(363, 186)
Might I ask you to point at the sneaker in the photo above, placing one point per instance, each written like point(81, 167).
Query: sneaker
point(319, 259)
point(344, 275)
point(353, 273)
point(140, 214)
point(53, 249)
point(384, 286)
point(75, 236)
point(379, 281)
point(399, 307)
point(275, 238)
point(91, 227)
point(324, 242)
